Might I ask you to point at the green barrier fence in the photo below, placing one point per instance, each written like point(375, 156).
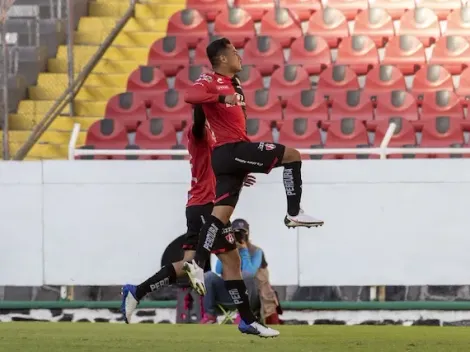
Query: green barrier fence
point(299, 305)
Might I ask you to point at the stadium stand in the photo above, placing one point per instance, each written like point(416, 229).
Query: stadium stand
point(310, 63)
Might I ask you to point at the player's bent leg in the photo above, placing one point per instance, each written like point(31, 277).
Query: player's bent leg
point(132, 294)
point(292, 178)
point(237, 290)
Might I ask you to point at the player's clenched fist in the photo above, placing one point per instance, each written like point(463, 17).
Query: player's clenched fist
point(233, 99)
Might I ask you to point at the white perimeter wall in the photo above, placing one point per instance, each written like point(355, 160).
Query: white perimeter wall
point(394, 222)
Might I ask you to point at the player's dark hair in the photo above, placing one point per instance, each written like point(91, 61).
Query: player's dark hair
point(215, 49)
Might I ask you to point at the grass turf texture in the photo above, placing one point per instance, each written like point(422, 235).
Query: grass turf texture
point(70, 337)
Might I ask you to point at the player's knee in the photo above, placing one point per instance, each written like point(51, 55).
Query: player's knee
point(223, 212)
point(290, 155)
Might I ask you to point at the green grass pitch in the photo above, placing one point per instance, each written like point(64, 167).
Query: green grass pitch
point(71, 337)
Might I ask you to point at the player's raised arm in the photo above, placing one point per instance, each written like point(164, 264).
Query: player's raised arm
point(200, 92)
point(199, 123)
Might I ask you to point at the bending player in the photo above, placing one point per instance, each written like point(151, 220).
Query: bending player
point(198, 208)
point(234, 156)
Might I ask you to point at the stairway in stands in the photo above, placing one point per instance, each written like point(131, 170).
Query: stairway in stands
point(128, 51)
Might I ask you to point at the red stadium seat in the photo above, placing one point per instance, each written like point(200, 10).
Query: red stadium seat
point(200, 55)
point(330, 24)
point(263, 104)
point(463, 90)
point(441, 103)
point(396, 8)
point(306, 104)
point(383, 79)
point(156, 133)
point(288, 80)
point(431, 78)
point(235, 24)
point(188, 24)
point(311, 52)
point(301, 133)
point(187, 76)
point(442, 132)
point(359, 53)
point(335, 79)
point(208, 8)
point(347, 133)
point(250, 78)
point(127, 108)
point(130, 157)
point(452, 52)
point(282, 25)
point(147, 80)
point(375, 23)
point(405, 52)
point(259, 130)
point(107, 134)
point(458, 23)
point(422, 23)
point(350, 8)
point(170, 54)
point(303, 8)
point(172, 107)
point(441, 8)
point(265, 53)
point(350, 104)
point(403, 137)
point(256, 8)
point(398, 103)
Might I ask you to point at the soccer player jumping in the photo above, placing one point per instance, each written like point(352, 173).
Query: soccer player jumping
point(233, 158)
point(198, 208)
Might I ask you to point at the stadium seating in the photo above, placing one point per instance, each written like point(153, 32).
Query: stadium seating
point(170, 54)
point(311, 52)
point(127, 108)
point(442, 132)
point(403, 137)
point(442, 103)
point(350, 8)
point(147, 81)
point(256, 8)
point(301, 132)
point(375, 23)
point(350, 104)
point(422, 23)
point(306, 104)
point(405, 52)
point(336, 79)
point(442, 8)
point(347, 133)
point(398, 103)
point(330, 24)
point(170, 106)
point(107, 134)
point(210, 9)
point(250, 78)
point(259, 130)
point(282, 25)
point(235, 24)
point(188, 75)
point(303, 9)
point(189, 25)
point(458, 23)
point(395, 8)
point(431, 78)
point(359, 53)
point(463, 90)
point(264, 105)
point(265, 53)
point(383, 79)
point(452, 53)
point(287, 80)
point(156, 133)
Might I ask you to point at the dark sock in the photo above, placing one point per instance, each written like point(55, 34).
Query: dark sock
point(165, 277)
point(211, 229)
point(237, 290)
point(292, 178)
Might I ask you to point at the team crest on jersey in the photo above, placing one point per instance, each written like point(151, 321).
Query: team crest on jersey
point(205, 77)
point(220, 80)
point(230, 238)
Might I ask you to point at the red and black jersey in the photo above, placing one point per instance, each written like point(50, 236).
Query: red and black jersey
point(202, 177)
point(227, 122)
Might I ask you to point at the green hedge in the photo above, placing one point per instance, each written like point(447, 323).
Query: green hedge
point(301, 305)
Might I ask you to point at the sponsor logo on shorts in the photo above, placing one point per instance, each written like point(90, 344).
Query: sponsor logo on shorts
point(269, 146)
point(230, 238)
point(248, 162)
point(210, 237)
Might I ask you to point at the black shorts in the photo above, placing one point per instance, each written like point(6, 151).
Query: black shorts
point(233, 161)
point(196, 216)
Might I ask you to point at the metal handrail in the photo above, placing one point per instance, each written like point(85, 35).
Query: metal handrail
point(73, 90)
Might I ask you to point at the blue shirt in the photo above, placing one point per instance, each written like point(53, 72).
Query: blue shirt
point(250, 263)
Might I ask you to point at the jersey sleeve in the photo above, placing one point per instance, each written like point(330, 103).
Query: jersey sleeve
point(200, 92)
